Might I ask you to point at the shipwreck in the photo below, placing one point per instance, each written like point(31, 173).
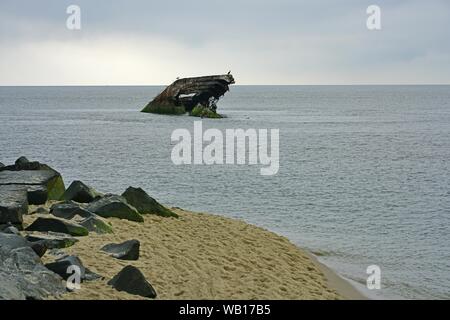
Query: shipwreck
point(198, 96)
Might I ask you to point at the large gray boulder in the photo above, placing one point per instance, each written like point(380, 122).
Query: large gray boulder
point(130, 279)
point(13, 204)
point(72, 211)
point(79, 192)
point(96, 224)
point(44, 224)
point(10, 241)
point(52, 240)
point(9, 229)
point(61, 267)
point(42, 181)
point(145, 204)
point(24, 164)
point(128, 250)
point(69, 210)
point(113, 206)
point(23, 276)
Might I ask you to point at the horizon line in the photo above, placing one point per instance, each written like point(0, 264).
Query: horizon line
point(234, 85)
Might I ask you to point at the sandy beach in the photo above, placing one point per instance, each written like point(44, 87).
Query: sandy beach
point(204, 256)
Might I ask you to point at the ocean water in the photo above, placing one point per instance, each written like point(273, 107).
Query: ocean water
point(364, 170)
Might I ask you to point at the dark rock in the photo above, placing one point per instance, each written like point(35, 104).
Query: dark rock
point(145, 204)
point(61, 266)
point(13, 204)
point(37, 181)
point(22, 276)
point(37, 195)
point(52, 240)
point(22, 161)
point(10, 229)
point(24, 164)
point(69, 210)
point(14, 241)
point(131, 280)
point(80, 192)
point(95, 224)
point(2, 165)
point(113, 206)
point(39, 248)
point(72, 211)
point(57, 225)
point(128, 250)
point(92, 276)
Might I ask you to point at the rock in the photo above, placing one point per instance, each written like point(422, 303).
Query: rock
point(96, 224)
point(57, 225)
point(14, 241)
point(91, 276)
point(2, 165)
point(204, 112)
point(80, 192)
point(22, 161)
point(69, 210)
point(39, 248)
point(24, 164)
point(131, 280)
point(52, 240)
point(128, 250)
point(37, 195)
point(61, 267)
point(13, 204)
point(9, 229)
point(22, 276)
point(37, 181)
point(115, 206)
point(145, 204)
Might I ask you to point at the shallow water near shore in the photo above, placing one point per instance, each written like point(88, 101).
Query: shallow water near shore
point(364, 173)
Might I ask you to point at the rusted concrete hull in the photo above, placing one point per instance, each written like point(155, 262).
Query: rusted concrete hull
point(185, 94)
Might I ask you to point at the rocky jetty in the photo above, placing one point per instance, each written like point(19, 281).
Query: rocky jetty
point(58, 218)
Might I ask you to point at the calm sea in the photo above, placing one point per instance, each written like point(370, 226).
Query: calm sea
point(364, 170)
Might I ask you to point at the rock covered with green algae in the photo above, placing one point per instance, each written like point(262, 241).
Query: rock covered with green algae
point(145, 204)
point(53, 224)
point(114, 206)
point(204, 112)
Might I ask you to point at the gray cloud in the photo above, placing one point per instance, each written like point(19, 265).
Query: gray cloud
point(263, 42)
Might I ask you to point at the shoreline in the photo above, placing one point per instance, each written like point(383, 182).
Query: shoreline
point(342, 285)
point(205, 256)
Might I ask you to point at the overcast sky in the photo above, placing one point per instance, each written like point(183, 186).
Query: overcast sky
point(146, 42)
